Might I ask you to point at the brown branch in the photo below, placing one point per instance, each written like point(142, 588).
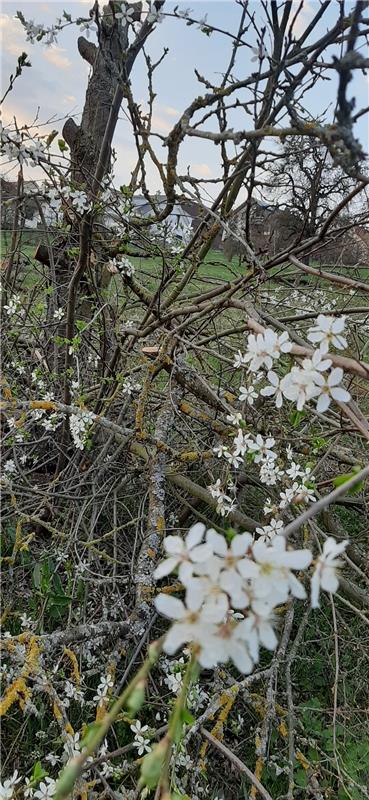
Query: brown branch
point(236, 763)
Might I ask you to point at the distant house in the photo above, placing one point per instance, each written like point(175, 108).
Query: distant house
point(8, 194)
point(272, 229)
point(347, 249)
point(178, 222)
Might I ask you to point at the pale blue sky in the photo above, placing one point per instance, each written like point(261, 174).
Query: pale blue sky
point(57, 80)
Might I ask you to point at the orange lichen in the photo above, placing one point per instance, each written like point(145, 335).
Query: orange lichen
point(72, 657)
point(17, 692)
point(283, 730)
point(302, 760)
point(47, 405)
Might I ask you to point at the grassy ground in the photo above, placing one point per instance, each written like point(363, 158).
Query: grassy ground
point(215, 266)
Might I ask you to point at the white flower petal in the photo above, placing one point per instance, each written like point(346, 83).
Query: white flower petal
point(217, 542)
point(195, 535)
point(170, 606)
point(174, 545)
point(165, 568)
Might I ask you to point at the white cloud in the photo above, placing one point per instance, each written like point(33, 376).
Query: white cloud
point(170, 111)
point(54, 55)
point(201, 170)
point(12, 35)
point(304, 17)
point(159, 123)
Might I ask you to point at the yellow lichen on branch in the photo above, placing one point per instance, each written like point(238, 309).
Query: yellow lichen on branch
point(18, 692)
point(225, 703)
point(75, 669)
point(46, 405)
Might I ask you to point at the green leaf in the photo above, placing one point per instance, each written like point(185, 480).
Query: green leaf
point(301, 778)
point(80, 324)
point(59, 600)
point(58, 586)
point(62, 145)
point(296, 417)
point(340, 480)
point(36, 575)
point(38, 772)
point(152, 765)
point(186, 717)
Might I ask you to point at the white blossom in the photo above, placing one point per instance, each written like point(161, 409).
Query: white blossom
point(142, 744)
point(184, 554)
point(86, 28)
point(298, 385)
point(275, 579)
point(28, 791)
point(325, 575)
point(202, 24)
point(7, 788)
point(220, 450)
point(52, 759)
point(267, 532)
point(294, 471)
point(241, 443)
point(248, 394)
point(273, 389)
point(10, 467)
point(46, 789)
point(262, 449)
point(240, 360)
point(327, 332)
point(260, 52)
point(138, 729)
point(233, 459)
point(13, 306)
point(234, 419)
point(155, 17)
point(329, 388)
point(129, 386)
point(190, 625)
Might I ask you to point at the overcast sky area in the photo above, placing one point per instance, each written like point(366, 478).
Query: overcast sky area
point(53, 88)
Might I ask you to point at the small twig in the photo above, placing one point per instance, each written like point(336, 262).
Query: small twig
point(325, 501)
point(237, 763)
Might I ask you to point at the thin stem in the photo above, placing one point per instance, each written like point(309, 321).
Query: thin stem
point(74, 769)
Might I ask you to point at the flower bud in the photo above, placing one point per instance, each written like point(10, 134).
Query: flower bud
point(136, 698)
point(152, 764)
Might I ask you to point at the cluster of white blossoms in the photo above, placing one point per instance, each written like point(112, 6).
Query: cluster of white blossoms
point(312, 379)
point(10, 786)
point(79, 425)
point(102, 691)
point(273, 469)
point(225, 503)
point(21, 146)
point(141, 740)
point(253, 577)
point(122, 265)
point(79, 200)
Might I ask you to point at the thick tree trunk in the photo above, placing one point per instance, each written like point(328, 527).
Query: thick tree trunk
point(85, 140)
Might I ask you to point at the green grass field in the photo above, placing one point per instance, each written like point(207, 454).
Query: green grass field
point(214, 268)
